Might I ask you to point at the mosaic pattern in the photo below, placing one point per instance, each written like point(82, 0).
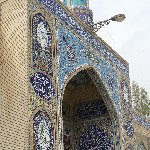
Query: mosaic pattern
point(42, 57)
point(73, 54)
point(125, 91)
point(43, 132)
point(141, 121)
point(42, 85)
point(81, 78)
point(75, 3)
point(104, 93)
point(70, 46)
point(55, 8)
point(108, 74)
point(79, 126)
point(95, 138)
point(84, 14)
point(126, 108)
point(76, 130)
point(41, 44)
point(129, 128)
point(90, 110)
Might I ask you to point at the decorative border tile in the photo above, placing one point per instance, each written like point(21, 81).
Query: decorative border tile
point(57, 9)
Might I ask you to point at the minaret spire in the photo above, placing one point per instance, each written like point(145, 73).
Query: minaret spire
point(81, 9)
point(75, 3)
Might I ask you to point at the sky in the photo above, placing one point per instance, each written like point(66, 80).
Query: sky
point(130, 38)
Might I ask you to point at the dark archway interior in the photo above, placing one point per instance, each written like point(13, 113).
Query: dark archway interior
point(86, 122)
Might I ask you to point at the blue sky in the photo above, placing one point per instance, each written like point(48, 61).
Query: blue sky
point(130, 38)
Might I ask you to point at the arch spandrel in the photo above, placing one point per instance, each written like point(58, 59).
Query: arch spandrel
point(75, 55)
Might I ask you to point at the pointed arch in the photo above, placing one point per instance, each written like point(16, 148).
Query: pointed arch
point(104, 92)
point(98, 81)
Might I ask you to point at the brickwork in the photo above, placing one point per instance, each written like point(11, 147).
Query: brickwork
point(13, 75)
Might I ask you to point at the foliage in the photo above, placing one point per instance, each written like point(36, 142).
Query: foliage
point(140, 100)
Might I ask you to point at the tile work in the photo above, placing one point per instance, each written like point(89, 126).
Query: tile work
point(41, 44)
point(83, 55)
point(55, 8)
point(75, 3)
point(141, 121)
point(42, 85)
point(91, 131)
point(95, 138)
point(85, 14)
point(90, 110)
point(43, 131)
point(126, 106)
point(77, 51)
point(128, 129)
point(41, 80)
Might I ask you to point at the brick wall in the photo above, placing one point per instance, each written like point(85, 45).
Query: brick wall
point(13, 75)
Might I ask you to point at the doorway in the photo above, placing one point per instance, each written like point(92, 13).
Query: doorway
point(87, 124)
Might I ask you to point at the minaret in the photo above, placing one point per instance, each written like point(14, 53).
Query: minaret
point(81, 9)
point(75, 3)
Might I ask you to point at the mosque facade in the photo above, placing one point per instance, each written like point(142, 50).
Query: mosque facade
point(62, 86)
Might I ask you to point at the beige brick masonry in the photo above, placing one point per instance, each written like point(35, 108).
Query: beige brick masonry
point(13, 75)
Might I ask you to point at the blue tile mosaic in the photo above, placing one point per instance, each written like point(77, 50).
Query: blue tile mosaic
point(95, 138)
point(83, 56)
point(129, 128)
point(91, 110)
point(41, 44)
point(56, 8)
point(141, 121)
point(42, 85)
point(43, 131)
point(126, 106)
point(85, 14)
point(41, 81)
point(84, 133)
point(74, 53)
point(79, 2)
